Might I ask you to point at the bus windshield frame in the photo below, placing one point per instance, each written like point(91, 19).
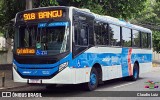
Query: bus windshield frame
point(39, 33)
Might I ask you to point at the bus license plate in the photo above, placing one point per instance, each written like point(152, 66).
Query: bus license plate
point(34, 81)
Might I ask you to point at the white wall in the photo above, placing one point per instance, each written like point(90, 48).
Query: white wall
point(156, 56)
point(2, 42)
point(6, 56)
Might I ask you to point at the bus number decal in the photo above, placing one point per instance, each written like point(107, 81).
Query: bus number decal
point(30, 16)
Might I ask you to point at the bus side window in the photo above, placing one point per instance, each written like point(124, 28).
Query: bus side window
point(83, 37)
point(135, 39)
point(114, 32)
point(81, 34)
point(76, 31)
point(149, 39)
point(126, 37)
point(144, 40)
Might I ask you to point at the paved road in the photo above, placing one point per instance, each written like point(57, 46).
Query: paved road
point(77, 91)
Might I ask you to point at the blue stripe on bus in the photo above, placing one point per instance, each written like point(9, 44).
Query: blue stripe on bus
point(108, 59)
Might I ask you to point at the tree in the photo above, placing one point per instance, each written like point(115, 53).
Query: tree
point(150, 18)
point(124, 9)
point(8, 10)
point(156, 41)
point(44, 3)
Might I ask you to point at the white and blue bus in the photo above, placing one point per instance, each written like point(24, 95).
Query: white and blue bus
point(68, 45)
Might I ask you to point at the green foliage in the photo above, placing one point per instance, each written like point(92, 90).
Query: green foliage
point(156, 41)
point(150, 15)
point(8, 10)
point(150, 18)
point(44, 3)
point(124, 9)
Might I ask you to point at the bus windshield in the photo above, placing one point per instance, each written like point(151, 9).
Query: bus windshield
point(46, 38)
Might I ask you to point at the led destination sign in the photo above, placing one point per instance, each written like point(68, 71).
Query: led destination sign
point(42, 15)
point(24, 51)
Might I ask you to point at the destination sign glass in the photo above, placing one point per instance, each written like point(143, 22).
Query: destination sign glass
point(42, 15)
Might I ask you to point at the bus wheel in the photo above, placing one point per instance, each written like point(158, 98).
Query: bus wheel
point(135, 75)
point(93, 83)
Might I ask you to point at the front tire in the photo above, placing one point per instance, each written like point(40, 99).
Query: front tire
point(93, 83)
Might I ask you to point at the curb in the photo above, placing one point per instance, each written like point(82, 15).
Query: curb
point(5, 88)
point(155, 65)
point(5, 66)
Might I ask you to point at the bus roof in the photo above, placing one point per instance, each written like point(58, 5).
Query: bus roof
point(119, 22)
point(115, 21)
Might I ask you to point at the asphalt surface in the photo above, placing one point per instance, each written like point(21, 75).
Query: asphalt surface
point(109, 90)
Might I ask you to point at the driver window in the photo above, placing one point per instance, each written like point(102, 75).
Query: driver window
point(81, 34)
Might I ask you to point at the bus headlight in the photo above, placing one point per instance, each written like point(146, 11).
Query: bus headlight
point(63, 66)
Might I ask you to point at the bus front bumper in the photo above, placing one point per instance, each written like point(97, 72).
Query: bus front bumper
point(66, 76)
